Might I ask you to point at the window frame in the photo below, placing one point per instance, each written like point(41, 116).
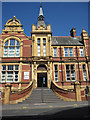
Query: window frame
point(38, 47)
point(68, 52)
point(84, 70)
point(8, 71)
point(81, 50)
point(70, 72)
point(54, 52)
point(56, 72)
point(44, 47)
point(11, 52)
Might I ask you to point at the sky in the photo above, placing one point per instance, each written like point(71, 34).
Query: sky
point(62, 16)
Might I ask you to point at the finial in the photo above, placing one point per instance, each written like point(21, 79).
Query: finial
point(73, 28)
point(83, 28)
point(41, 11)
point(14, 18)
point(40, 4)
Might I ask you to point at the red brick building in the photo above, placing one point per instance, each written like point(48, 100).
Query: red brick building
point(43, 59)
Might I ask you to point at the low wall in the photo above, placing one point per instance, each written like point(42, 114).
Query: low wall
point(63, 94)
point(21, 95)
point(2, 97)
point(67, 95)
point(18, 96)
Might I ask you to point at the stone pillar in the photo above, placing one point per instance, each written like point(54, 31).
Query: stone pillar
point(35, 75)
point(7, 93)
point(78, 92)
point(20, 77)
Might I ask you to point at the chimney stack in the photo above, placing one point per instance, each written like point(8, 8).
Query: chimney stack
point(73, 32)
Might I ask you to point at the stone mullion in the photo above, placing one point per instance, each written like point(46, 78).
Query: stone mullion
point(47, 48)
point(20, 75)
point(41, 47)
point(35, 75)
point(35, 46)
point(21, 49)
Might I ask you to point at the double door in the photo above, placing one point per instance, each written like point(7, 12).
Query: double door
point(41, 79)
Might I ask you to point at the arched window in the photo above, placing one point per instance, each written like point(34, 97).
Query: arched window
point(11, 48)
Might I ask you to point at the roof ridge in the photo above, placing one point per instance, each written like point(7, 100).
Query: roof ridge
point(65, 36)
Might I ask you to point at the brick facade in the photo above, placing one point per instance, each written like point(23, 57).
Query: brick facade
point(29, 61)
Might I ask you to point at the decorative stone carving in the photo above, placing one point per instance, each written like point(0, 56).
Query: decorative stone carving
point(13, 25)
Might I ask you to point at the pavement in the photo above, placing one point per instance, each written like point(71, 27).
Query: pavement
point(47, 110)
point(44, 105)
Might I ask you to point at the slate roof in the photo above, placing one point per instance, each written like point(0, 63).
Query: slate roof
point(66, 40)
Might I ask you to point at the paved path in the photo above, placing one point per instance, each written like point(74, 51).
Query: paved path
point(39, 111)
point(43, 105)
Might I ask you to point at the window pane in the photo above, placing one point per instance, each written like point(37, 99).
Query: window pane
point(84, 75)
point(68, 75)
point(5, 51)
point(81, 52)
point(12, 42)
point(16, 77)
point(73, 75)
point(17, 43)
point(67, 67)
point(17, 51)
point(55, 52)
point(10, 67)
point(71, 52)
point(4, 67)
point(6, 43)
point(3, 77)
point(56, 76)
point(55, 67)
point(72, 67)
point(38, 41)
point(84, 67)
point(16, 67)
point(10, 76)
point(11, 51)
point(44, 50)
point(38, 50)
point(44, 40)
point(71, 55)
point(17, 55)
point(66, 52)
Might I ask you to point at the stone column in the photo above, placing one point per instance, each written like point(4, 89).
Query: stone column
point(35, 75)
point(20, 77)
point(7, 93)
point(78, 92)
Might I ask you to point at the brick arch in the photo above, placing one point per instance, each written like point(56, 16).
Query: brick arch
point(42, 67)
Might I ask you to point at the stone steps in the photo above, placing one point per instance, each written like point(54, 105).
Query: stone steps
point(40, 95)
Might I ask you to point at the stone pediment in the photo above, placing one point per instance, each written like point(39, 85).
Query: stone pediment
point(13, 25)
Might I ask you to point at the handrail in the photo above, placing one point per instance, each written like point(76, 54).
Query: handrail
point(19, 96)
point(58, 87)
point(66, 95)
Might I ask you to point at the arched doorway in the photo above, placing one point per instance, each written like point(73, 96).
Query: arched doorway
point(41, 76)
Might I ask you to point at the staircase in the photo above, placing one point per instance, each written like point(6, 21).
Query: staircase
point(42, 95)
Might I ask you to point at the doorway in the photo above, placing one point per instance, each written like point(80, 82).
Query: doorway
point(41, 79)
